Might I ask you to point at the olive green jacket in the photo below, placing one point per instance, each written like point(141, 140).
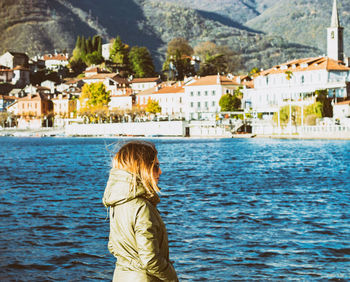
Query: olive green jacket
point(138, 237)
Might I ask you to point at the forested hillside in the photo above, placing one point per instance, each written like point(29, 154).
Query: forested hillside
point(303, 21)
point(263, 32)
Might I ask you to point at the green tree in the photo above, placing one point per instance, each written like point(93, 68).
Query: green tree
point(178, 59)
point(311, 113)
point(322, 97)
point(254, 71)
point(93, 58)
point(285, 111)
point(83, 49)
point(153, 107)
point(94, 99)
point(119, 53)
point(141, 62)
point(229, 103)
point(77, 65)
point(216, 59)
point(88, 44)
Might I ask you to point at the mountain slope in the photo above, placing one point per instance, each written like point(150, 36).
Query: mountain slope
point(39, 26)
point(303, 21)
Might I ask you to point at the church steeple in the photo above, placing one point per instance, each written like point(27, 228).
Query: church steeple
point(335, 44)
point(335, 17)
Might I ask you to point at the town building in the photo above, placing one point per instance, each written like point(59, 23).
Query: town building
point(202, 96)
point(36, 64)
point(6, 101)
point(12, 59)
point(56, 61)
point(140, 84)
point(64, 105)
point(169, 95)
point(6, 74)
point(341, 110)
point(106, 50)
point(21, 76)
point(122, 102)
point(295, 82)
point(46, 91)
point(113, 82)
point(34, 109)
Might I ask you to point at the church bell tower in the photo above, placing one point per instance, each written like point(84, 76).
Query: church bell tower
point(335, 43)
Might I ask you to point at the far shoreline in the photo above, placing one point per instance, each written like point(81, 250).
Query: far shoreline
point(60, 133)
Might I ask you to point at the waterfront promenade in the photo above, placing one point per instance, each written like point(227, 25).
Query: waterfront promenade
point(176, 129)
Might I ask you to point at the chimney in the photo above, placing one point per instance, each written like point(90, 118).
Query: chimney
point(347, 61)
point(218, 79)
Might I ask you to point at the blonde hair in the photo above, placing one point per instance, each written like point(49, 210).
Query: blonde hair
point(139, 157)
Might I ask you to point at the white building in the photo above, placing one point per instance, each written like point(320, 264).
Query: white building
point(106, 50)
point(201, 100)
point(341, 110)
point(55, 61)
point(141, 84)
point(170, 97)
point(296, 81)
point(121, 101)
point(272, 88)
point(12, 59)
point(113, 82)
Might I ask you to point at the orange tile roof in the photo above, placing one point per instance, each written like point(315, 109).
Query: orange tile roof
point(72, 80)
point(307, 64)
point(128, 92)
point(58, 57)
point(6, 97)
point(212, 80)
point(31, 97)
point(21, 68)
point(92, 70)
point(146, 79)
point(163, 88)
point(171, 89)
point(113, 76)
point(343, 103)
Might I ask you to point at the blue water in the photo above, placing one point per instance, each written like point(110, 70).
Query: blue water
point(235, 209)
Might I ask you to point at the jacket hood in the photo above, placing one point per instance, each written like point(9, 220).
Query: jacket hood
point(121, 188)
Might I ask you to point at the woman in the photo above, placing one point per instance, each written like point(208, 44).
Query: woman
point(138, 237)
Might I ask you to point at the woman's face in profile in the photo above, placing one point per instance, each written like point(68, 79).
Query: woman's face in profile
point(156, 170)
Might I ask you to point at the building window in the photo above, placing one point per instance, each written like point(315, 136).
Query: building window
point(199, 93)
point(198, 104)
point(191, 93)
point(206, 93)
point(206, 104)
point(180, 100)
point(302, 79)
point(191, 104)
point(213, 103)
point(213, 93)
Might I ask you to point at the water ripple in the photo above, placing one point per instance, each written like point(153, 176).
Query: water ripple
point(255, 209)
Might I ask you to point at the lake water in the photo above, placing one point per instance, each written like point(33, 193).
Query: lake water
point(235, 209)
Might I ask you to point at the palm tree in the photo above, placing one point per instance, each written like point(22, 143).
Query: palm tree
point(289, 76)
